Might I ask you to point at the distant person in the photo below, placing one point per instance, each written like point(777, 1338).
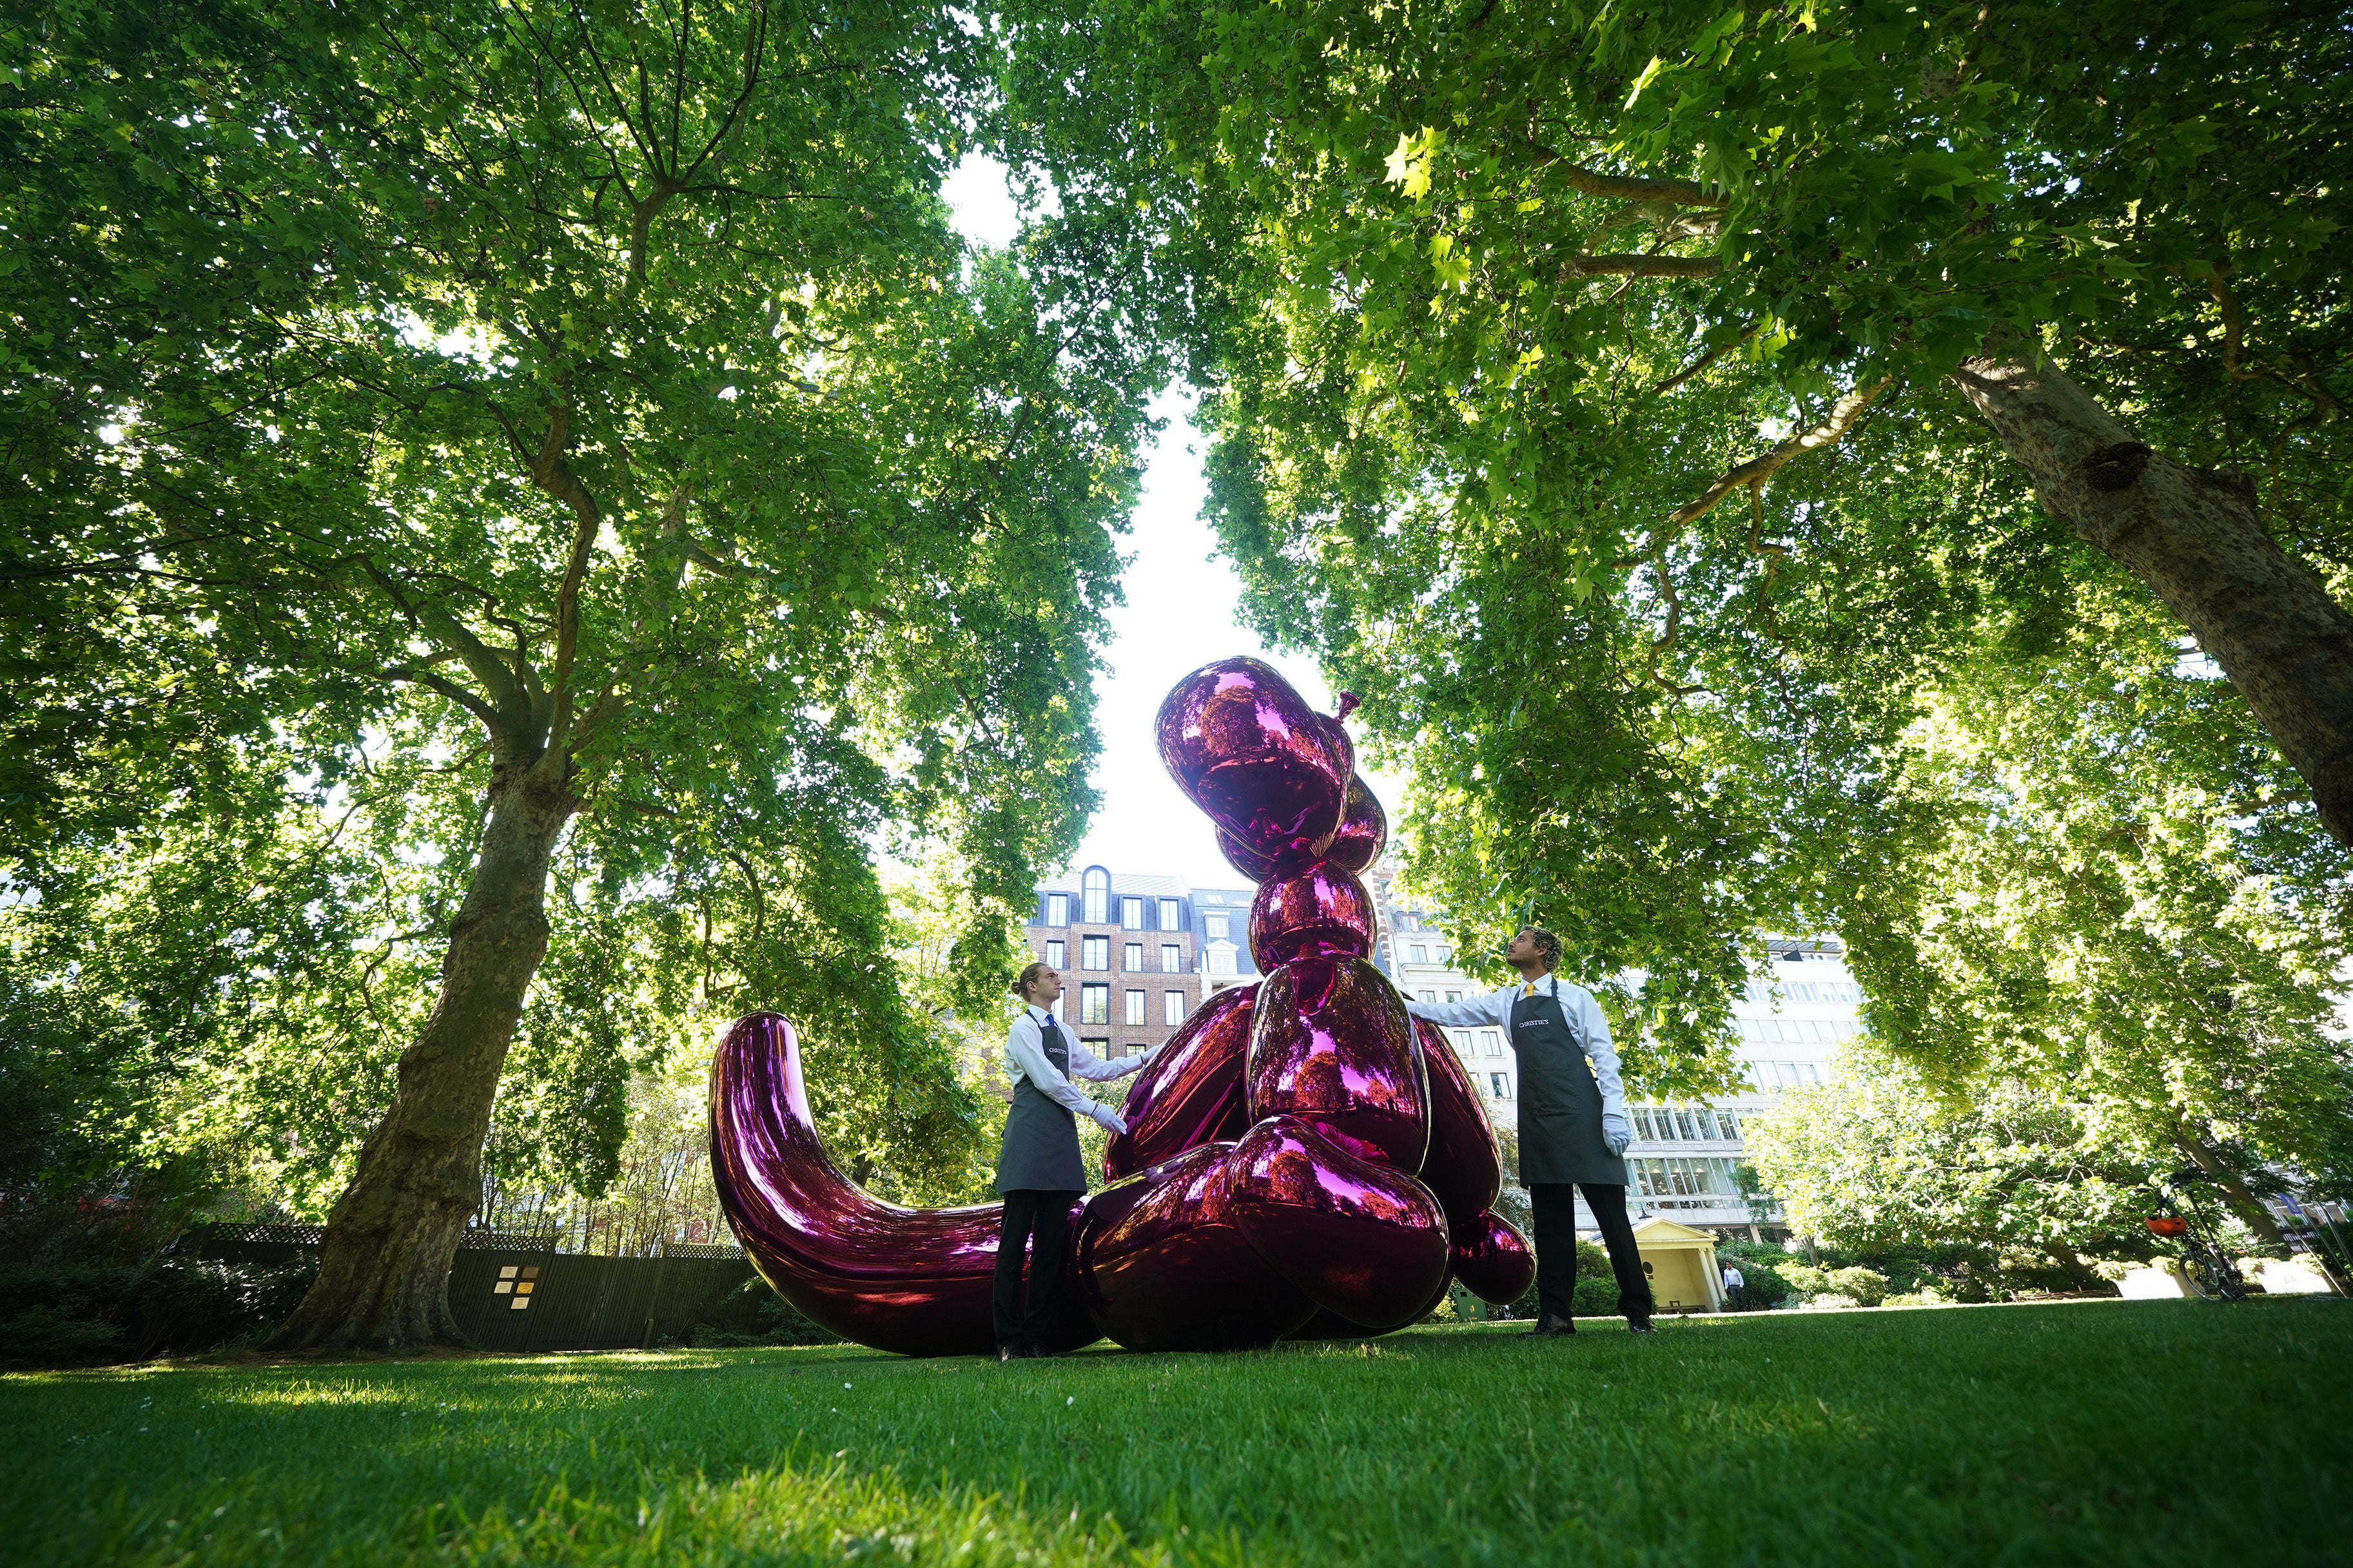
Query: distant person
point(1573, 1124)
point(1736, 1289)
point(1039, 1171)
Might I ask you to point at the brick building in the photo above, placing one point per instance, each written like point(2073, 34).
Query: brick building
point(1137, 953)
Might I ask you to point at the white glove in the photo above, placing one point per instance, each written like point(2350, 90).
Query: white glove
point(1616, 1132)
point(1107, 1119)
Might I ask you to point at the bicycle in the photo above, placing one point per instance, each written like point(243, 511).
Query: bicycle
point(2209, 1273)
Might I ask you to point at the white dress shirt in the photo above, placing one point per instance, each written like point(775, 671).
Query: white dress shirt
point(1586, 1021)
point(1025, 1057)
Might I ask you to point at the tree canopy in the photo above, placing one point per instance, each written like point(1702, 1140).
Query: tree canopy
point(513, 448)
point(1495, 304)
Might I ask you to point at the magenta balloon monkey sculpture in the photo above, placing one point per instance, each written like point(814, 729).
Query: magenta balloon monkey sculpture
point(1302, 1159)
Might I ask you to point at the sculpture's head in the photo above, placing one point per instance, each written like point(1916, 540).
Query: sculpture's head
point(1276, 777)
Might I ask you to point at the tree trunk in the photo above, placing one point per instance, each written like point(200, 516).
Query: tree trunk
point(2195, 537)
point(384, 1265)
point(2241, 1198)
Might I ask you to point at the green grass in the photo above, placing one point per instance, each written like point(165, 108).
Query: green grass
point(2108, 1433)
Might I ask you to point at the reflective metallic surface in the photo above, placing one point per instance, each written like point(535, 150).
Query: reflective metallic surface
point(1302, 1159)
point(1191, 1093)
point(1364, 830)
point(910, 1280)
point(1270, 771)
point(1462, 1166)
point(1258, 867)
point(1320, 912)
point(1361, 1239)
point(1161, 1266)
point(1493, 1261)
point(1332, 1046)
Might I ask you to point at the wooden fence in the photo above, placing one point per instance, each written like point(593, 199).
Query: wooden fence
point(513, 1292)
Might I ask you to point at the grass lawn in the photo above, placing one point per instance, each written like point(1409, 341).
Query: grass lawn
point(2103, 1432)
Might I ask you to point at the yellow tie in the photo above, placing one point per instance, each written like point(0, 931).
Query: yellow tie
point(1529, 989)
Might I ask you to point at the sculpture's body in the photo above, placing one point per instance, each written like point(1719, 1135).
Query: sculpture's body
point(1301, 1159)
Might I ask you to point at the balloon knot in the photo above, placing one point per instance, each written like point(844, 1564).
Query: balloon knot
point(1348, 700)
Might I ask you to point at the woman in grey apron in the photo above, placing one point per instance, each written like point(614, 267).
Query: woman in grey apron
point(1573, 1124)
point(1039, 1171)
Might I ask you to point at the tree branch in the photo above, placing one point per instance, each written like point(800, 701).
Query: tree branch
point(1701, 362)
point(1594, 183)
point(551, 474)
point(1843, 415)
point(449, 688)
point(1640, 267)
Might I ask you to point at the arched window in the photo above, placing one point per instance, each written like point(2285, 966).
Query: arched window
point(1097, 887)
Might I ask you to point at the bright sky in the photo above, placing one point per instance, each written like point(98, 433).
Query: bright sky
point(1179, 614)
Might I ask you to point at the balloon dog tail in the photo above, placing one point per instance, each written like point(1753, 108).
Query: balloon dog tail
point(916, 1281)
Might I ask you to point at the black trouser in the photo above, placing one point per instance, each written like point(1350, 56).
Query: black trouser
point(1046, 1217)
point(1555, 1215)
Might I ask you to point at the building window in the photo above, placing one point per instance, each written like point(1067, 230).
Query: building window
point(1642, 1123)
point(1135, 957)
point(1058, 953)
point(1454, 996)
point(1500, 1084)
point(1061, 1017)
point(1098, 1045)
point(1094, 952)
point(1445, 953)
point(1058, 909)
point(1495, 1039)
point(1429, 995)
point(1096, 888)
point(1727, 1123)
point(1134, 1009)
point(1222, 960)
point(1420, 955)
point(1172, 1007)
point(1169, 915)
point(1094, 1003)
point(1683, 1125)
point(1214, 925)
point(1131, 913)
point(1172, 959)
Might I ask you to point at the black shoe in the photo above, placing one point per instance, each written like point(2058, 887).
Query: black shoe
point(1040, 1353)
point(1551, 1328)
point(1010, 1353)
point(1638, 1326)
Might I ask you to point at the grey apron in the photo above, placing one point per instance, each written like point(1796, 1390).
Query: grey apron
point(1560, 1103)
point(1041, 1138)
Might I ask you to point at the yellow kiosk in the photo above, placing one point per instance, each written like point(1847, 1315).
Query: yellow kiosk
point(1681, 1264)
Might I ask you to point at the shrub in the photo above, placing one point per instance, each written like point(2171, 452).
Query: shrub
point(1868, 1287)
point(1763, 1267)
point(1596, 1286)
point(755, 1314)
point(72, 1316)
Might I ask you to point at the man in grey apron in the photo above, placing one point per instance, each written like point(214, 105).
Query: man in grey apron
point(1039, 1171)
point(1572, 1123)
